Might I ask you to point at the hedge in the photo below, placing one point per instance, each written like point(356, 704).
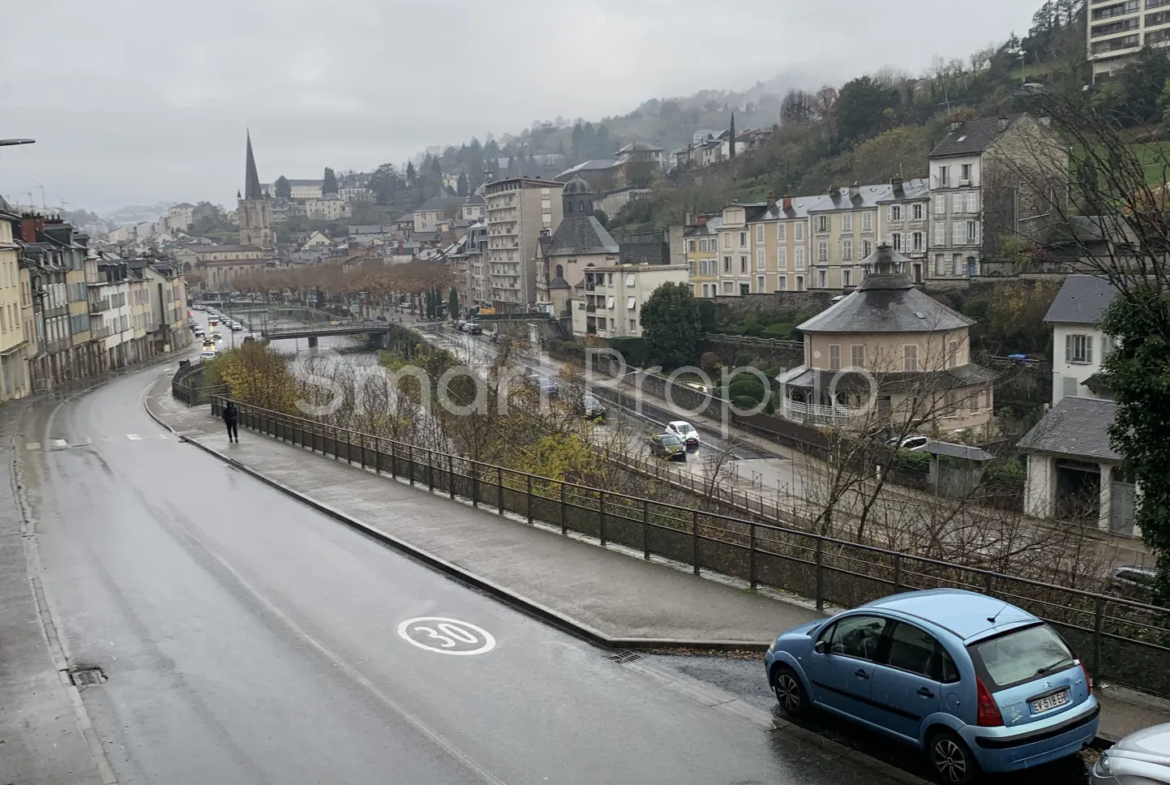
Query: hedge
point(632, 348)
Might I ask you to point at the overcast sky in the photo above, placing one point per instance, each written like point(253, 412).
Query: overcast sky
point(140, 101)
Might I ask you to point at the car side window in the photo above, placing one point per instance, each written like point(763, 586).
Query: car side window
point(949, 672)
point(915, 650)
point(857, 636)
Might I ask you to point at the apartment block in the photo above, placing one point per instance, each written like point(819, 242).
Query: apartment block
point(903, 223)
point(518, 210)
point(701, 254)
point(613, 297)
point(1118, 29)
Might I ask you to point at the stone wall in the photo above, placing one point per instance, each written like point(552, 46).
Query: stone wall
point(734, 309)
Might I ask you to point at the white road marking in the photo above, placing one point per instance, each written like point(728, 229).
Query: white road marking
point(133, 437)
point(58, 444)
point(33, 446)
point(446, 636)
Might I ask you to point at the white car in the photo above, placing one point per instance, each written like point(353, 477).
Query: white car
point(207, 354)
point(685, 431)
point(914, 442)
point(1141, 758)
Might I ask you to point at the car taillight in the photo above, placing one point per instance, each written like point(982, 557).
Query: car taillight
point(1088, 681)
point(988, 715)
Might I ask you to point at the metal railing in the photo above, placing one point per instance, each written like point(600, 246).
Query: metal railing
point(342, 326)
point(1121, 640)
point(187, 386)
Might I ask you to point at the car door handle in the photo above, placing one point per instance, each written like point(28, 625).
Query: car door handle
point(861, 674)
point(924, 692)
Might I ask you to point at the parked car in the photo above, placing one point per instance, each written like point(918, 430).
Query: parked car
point(977, 683)
point(459, 324)
point(591, 408)
point(668, 447)
point(685, 431)
point(474, 328)
point(545, 385)
point(236, 327)
point(1141, 758)
point(914, 442)
point(1134, 582)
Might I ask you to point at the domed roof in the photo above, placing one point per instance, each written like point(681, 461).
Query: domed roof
point(577, 186)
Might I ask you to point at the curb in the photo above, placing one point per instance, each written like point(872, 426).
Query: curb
point(565, 623)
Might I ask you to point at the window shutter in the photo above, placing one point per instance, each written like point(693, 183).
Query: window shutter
point(1068, 348)
point(1088, 348)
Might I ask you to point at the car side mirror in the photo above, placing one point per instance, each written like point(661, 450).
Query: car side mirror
point(821, 647)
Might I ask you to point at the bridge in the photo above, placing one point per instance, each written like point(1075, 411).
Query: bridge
point(313, 332)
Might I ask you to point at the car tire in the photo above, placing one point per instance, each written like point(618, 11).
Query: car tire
point(789, 691)
point(951, 758)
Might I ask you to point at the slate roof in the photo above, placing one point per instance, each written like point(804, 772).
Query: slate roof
point(711, 227)
point(909, 190)
point(1076, 427)
point(440, 203)
point(580, 235)
point(894, 381)
point(962, 451)
point(597, 164)
point(972, 137)
point(886, 303)
point(476, 199)
point(867, 196)
point(1082, 299)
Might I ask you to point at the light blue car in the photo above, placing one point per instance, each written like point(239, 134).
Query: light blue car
point(978, 684)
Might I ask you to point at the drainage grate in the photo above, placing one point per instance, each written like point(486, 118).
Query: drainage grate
point(85, 677)
point(622, 657)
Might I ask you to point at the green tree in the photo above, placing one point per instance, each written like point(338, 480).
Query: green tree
point(436, 167)
point(410, 174)
point(861, 108)
point(453, 304)
point(1139, 378)
point(601, 217)
point(670, 324)
point(283, 188)
point(329, 186)
point(731, 133)
point(385, 183)
point(461, 187)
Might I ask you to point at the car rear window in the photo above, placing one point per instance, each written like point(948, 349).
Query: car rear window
point(668, 440)
point(1021, 656)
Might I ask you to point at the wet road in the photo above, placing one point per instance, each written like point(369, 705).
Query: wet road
point(249, 639)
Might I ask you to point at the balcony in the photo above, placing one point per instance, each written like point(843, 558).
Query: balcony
point(818, 414)
point(99, 306)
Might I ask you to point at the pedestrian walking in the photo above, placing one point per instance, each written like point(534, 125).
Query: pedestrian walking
point(231, 416)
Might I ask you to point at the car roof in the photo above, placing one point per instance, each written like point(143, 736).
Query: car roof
point(682, 422)
point(964, 614)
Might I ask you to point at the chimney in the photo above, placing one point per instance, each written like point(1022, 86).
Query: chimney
point(771, 202)
point(702, 221)
point(896, 182)
point(885, 261)
point(1003, 124)
point(956, 125)
point(30, 224)
point(787, 203)
point(834, 192)
point(688, 219)
point(854, 191)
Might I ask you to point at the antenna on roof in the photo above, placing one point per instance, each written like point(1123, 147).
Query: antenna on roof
point(996, 616)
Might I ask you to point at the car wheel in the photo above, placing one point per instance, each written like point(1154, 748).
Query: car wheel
point(789, 691)
point(951, 759)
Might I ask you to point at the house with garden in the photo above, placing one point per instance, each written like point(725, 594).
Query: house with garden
point(888, 358)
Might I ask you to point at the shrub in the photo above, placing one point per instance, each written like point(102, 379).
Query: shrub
point(747, 386)
point(632, 348)
point(911, 461)
point(710, 362)
point(573, 349)
point(744, 402)
point(782, 330)
point(555, 345)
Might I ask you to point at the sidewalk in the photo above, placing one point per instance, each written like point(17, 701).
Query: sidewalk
point(602, 593)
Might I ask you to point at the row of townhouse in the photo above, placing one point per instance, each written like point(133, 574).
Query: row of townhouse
point(988, 179)
point(68, 313)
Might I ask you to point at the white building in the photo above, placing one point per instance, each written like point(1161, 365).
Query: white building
point(1073, 471)
point(300, 190)
point(111, 311)
point(179, 217)
point(329, 207)
point(517, 211)
point(609, 302)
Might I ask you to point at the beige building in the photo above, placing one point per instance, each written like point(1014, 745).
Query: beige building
point(611, 298)
point(14, 322)
point(701, 254)
point(1118, 29)
point(518, 210)
point(329, 207)
point(764, 248)
point(887, 356)
point(438, 210)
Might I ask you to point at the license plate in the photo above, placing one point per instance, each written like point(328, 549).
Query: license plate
point(1049, 702)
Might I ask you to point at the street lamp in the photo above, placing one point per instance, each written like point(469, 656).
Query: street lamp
point(14, 142)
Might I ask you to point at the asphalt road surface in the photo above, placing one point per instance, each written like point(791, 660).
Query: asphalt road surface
point(248, 639)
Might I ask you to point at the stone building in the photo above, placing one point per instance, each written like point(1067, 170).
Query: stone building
point(254, 210)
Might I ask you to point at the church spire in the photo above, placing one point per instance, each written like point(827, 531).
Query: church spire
point(251, 178)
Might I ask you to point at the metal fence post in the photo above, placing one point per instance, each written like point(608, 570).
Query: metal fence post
point(1098, 625)
point(528, 481)
point(601, 524)
point(695, 539)
point(394, 459)
point(475, 484)
point(564, 520)
point(897, 572)
point(820, 575)
point(646, 530)
point(430, 470)
point(989, 582)
point(752, 554)
point(410, 463)
point(451, 474)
